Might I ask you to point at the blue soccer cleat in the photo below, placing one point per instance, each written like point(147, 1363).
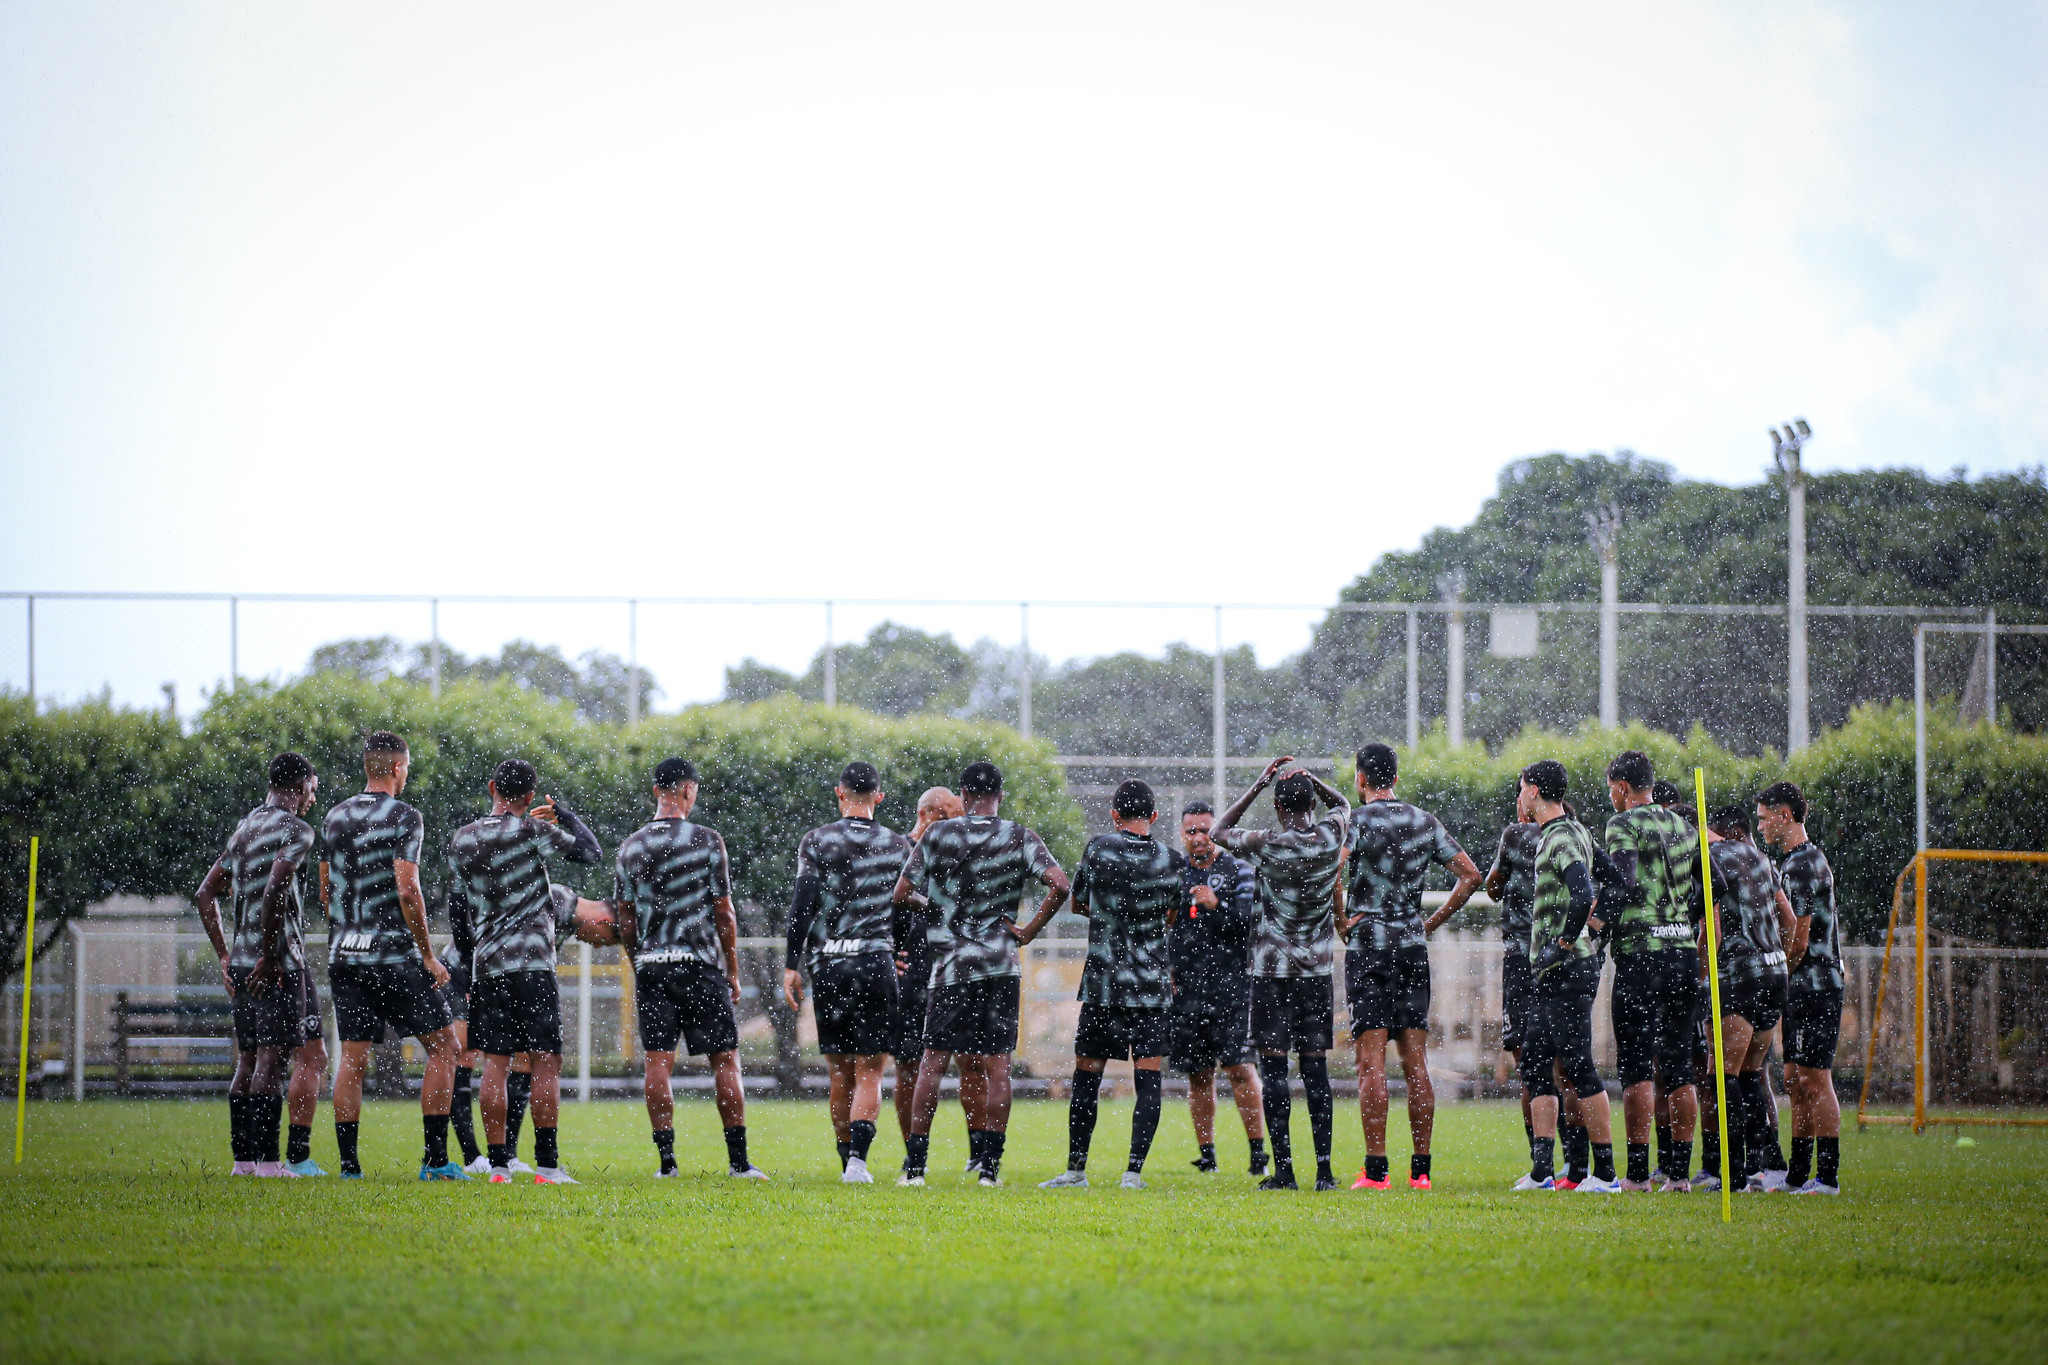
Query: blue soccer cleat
point(308, 1167)
point(447, 1171)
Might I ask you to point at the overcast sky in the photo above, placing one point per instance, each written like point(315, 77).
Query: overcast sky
point(1164, 301)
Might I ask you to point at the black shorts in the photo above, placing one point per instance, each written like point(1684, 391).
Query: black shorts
point(1212, 1030)
point(456, 992)
point(1387, 989)
point(1293, 1013)
point(1515, 985)
point(1813, 1027)
point(1112, 1033)
point(1561, 1030)
point(978, 1018)
point(285, 1013)
point(907, 1046)
point(515, 1012)
point(367, 996)
point(1652, 1009)
point(687, 1002)
point(1760, 1002)
point(854, 1002)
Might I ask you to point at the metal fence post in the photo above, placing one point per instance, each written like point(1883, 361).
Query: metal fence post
point(1414, 689)
point(831, 664)
point(632, 703)
point(31, 655)
point(77, 1011)
point(583, 1023)
point(234, 643)
point(1220, 735)
point(1024, 687)
point(1920, 735)
point(1991, 666)
point(434, 649)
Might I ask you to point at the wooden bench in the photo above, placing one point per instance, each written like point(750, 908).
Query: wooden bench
point(196, 1025)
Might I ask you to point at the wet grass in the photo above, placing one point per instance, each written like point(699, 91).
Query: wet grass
point(122, 1239)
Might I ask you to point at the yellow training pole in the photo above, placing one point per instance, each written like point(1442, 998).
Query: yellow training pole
point(28, 971)
point(1699, 785)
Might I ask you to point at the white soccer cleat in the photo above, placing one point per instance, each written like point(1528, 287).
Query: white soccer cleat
point(243, 1168)
point(501, 1175)
point(751, 1173)
point(1773, 1181)
point(1066, 1180)
point(991, 1182)
point(1815, 1187)
point(1756, 1185)
point(1658, 1180)
point(518, 1167)
point(554, 1175)
point(1593, 1184)
point(1636, 1186)
point(1132, 1181)
point(909, 1181)
point(481, 1166)
point(275, 1170)
point(1677, 1187)
point(856, 1173)
point(672, 1173)
point(1530, 1182)
point(971, 1168)
point(1706, 1182)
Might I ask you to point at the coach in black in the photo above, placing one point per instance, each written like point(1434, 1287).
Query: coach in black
point(1209, 946)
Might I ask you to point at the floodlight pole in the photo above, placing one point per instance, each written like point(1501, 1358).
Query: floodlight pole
point(1452, 586)
point(1603, 530)
point(1414, 689)
point(1024, 684)
point(1785, 448)
point(1920, 736)
point(1219, 736)
point(632, 686)
point(234, 643)
point(31, 655)
point(434, 648)
point(1991, 666)
point(831, 670)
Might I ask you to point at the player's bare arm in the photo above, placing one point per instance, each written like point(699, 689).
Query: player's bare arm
point(905, 895)
point(1058, 888)
point(216, 883)
point(1467, 872)
point(412, 903)
point(728, 941)
point(1237, 808)
point(1331, 797)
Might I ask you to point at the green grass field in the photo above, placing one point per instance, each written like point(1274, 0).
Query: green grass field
point(124, 1240)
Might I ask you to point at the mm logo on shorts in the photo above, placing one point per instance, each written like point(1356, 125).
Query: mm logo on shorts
point(355, 941)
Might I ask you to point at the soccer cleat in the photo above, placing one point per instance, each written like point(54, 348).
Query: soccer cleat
point(243, 1168)
point(446, 1171)
point(480, 1165)
point(1530, 1182)
point(305, 1169)
point(1773, 1182)
point(1706, 1182)
point(1593, 1184)
point(1259, 1161)
point(554, 1175)
point(971, 1168)
point(518, 1167)
point(1281, 1179)
point(274, 1170)
point(1636, 1186)
point(1066, 1180)
point(1205, 1167)
point(1366, 1182)
point(1326, 1181)
point(1418, 1182)
point(1678, 1187)
point(1815, 1187)
point(911, 1180)
point(1755, 1185)
point(751, 1173)
point(991, 1182)
point(1659, 1179)
point(1564, 1183)
point(347, 1174)
point(669, 1173)
point(501, 1175)
point(856, 1173)
point(1132, 1181)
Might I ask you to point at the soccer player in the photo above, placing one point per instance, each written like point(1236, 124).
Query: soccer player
point(461, 1109)
point(381, 967)
point(966, 878)
point(1209, 948)
point(1300, 868)
point(673, 898)
point(1565, 966)
point(264, 969)
point(1511, 881)
point(1813, 997)
point(842, 925)
point(1651, 908)
point(913, 971)
point(1129, 886)
point(1755, 920)
point(500, 864)
point(1386, 967)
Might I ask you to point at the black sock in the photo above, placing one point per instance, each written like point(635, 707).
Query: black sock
point(977, 1148)
point(462, 1115)
point(1802, 1162)
point(665, 1144)
point(1529, 1132)
point(1827, 1160)
point(1418, 1165)
point(862, 1131)
point(1678, 1165)
point(501, 1154)
point(1639, 1162)
point(1083, 1102)
point(238, 1127)
point(1279, 1104)
point(1664, 1148)
point(1209, 1153)
point(1258, 1146)
point(1145, 1120)
point(1376, 1166)
point(1752, 1112)
point(264, 1112)
point(736, 1148)
point(345, 1140)
point(1542, 1161)
point(518, 1090)
point(991, 1154)
point(916, 1149)
point(1322, 1105)
point(298, 1143)
point(1773, 1148)
point(1732, 1150)
point(845, 1150)
point(1710, 1147)
point(1572, 1138)
point(436, 1126)
point(546, 1154)
point(1603, 1161)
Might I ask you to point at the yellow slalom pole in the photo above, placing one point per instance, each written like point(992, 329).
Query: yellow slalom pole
point(28, 972)
point(1699, 784)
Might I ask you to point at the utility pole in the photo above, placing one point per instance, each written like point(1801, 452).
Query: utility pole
point(1024, 682)
point(1603, 532)
point(1452, 586)
point(1220, 736)
point(1785, 447)
point(831, 664)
